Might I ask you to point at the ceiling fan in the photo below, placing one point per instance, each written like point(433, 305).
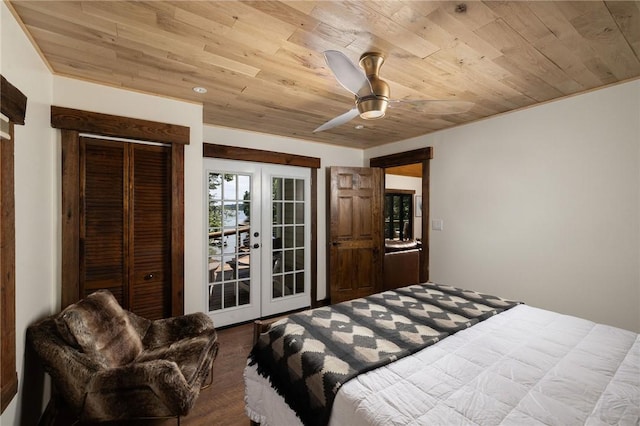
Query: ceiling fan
point(372, 94)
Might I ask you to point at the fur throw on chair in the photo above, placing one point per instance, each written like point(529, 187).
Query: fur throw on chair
point(107, 363)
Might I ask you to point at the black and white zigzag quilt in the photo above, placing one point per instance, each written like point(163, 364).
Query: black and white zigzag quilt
point(309, 355)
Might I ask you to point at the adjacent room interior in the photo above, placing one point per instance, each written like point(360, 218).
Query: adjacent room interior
point(247, 160)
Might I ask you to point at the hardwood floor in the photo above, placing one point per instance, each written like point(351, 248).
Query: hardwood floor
point(222, 404)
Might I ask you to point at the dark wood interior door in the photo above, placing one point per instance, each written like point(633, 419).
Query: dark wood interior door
point(355, 233)
point(125, 224)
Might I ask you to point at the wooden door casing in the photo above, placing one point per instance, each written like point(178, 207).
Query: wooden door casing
point(355, 232)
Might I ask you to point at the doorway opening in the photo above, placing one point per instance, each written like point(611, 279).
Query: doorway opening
point(413, 163)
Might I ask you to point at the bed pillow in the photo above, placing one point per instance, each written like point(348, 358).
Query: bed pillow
point(99, 326)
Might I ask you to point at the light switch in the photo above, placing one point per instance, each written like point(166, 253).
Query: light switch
point(437, 224)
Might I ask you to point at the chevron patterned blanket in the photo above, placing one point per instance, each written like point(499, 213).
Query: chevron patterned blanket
point(309, 355)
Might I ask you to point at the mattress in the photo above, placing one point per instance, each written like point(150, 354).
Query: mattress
point(525, 366)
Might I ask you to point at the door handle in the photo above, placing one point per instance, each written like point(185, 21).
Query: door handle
point(335, 243)
point(148, 276)
point(256, 245)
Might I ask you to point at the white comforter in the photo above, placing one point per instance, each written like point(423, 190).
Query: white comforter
point(525, 366)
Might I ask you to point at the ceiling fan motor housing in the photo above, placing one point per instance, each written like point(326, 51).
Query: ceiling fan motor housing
point(374, 105)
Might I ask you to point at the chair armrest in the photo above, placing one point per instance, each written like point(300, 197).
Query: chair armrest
point(70, 369)
point(193, 355)
point(168, 330)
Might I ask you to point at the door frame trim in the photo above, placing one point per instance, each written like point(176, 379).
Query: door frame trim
point(227, 152)
point(421, 155)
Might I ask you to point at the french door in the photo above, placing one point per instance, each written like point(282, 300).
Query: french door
point(258, 237)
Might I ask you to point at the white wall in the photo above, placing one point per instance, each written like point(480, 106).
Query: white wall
point(543, 205)
point(35, 199)
point(330, 155)
point(411, 183)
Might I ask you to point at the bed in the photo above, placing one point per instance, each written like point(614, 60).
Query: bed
point(460, 357)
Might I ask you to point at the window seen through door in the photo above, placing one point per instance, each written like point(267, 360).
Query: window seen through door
point(398, 215)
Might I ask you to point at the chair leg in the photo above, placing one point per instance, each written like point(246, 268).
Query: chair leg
point(57, 412)
point(48, 418)
point(210, 378)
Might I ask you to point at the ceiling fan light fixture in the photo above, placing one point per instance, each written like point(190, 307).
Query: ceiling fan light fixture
point(372, 115)
point(372, 94)
point(372, 108)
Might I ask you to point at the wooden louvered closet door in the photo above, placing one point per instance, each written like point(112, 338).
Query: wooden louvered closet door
point(125, 229)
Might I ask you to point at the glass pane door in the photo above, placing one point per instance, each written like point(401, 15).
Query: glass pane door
point(288, 242)
point(231, 265)
point(258, 240)
point(229, 249)
point(288, 188)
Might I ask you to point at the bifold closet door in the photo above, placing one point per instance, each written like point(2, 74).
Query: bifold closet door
point(150, 231)
point(103, 220)
point(125, 221)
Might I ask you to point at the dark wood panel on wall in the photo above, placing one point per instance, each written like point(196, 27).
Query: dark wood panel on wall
point(13, 105)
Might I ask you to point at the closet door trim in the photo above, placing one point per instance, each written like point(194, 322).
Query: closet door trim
point(72, 123)
point(117, 126)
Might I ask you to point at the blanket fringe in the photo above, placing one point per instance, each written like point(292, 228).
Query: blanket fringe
point(255, 417)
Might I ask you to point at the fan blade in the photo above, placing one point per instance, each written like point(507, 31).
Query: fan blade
point(348, 75)
point(339, 120)
point(434, 106)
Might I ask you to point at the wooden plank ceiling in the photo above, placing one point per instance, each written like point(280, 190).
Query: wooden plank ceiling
point(262, 61)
